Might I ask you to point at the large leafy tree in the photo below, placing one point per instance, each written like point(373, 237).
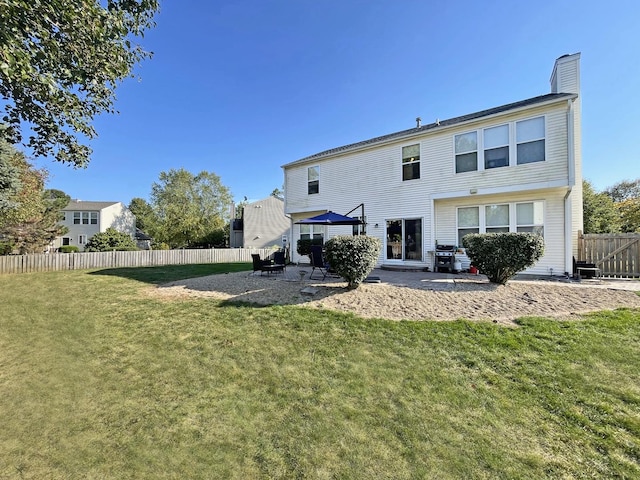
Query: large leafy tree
point(145, 216)
point(626, 195)
point(599, 211)
point(190, 209)
point(30, 215)
point(624, 190)
point(60, 62)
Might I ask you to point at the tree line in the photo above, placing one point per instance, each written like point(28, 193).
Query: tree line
point(614, 210)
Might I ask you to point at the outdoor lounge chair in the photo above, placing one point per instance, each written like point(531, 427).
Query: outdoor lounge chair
point(261, 266)
point(318, 261)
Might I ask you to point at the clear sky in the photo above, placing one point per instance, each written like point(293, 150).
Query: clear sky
point(241, 87)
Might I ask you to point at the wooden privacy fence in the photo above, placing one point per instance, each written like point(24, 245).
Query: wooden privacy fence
point(140, 258)
point(615, 254)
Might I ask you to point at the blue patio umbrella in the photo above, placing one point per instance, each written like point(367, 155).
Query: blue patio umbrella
point(330, 218)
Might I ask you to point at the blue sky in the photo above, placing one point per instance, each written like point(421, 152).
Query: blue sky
point(241, 87)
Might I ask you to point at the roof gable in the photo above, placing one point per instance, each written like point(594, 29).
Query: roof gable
point(79, 205)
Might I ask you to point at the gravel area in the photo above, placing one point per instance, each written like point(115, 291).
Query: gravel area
point(414, 295)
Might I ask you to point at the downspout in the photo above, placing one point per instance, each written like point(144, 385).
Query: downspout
point(568, 211)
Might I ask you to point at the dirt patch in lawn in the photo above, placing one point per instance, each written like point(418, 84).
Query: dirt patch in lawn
point(426, 299)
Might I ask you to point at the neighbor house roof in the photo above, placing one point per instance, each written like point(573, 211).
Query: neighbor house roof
point(79, 205)
point(550, 97)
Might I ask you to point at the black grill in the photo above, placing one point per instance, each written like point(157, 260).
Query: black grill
point(445, 258)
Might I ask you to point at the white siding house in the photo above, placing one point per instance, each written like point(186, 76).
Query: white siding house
point(265, 224)
point(85, 219)
point(515, 167)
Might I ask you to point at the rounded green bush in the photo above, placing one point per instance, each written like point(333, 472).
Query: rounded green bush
point(69, 249)
point(353, 258)
point(501, 255)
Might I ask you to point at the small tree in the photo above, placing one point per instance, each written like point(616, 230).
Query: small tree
point(109, 240)
point(353, 258)
point(501, 255)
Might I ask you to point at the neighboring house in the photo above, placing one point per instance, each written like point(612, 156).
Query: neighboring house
point(263, 225)
point(514, 168)
point(85, 219)
point(143, 241)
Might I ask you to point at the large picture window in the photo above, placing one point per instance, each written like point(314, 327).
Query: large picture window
point(313, 180)
point(85, 218)
point(411, 162)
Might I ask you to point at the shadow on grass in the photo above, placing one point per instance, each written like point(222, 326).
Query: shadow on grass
point(171, 273)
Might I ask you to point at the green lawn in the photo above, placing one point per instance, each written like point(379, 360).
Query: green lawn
point(100, 380)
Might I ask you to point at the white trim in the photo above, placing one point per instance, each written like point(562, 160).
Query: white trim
point(498, 190)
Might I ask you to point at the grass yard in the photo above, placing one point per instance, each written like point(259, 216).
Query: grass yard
point(99, 380)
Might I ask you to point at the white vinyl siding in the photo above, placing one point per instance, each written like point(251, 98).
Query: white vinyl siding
point(372, 176)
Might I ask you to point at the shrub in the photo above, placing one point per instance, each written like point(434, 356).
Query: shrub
point(501, 255)
point(353, 258)
point(69, 249)
point(159, 246)
point(6, 248)
point(110, 239)
point(304, 245)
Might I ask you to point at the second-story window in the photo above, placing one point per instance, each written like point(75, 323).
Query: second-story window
point(496, 147)
point(466, 152)
point(313, 179)
point(530, 140)
point(411, 162)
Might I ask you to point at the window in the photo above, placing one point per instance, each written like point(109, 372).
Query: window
point(411, 162)
point(63, 216)
point(496, 147)
point(530, 140)
point(507, 217)
point(496, 218)
point(66, 241)
point(514, 143)
point(307, 232)
point(76, 218)
point(360, 229)
point(530, 217)
point(94, 218)
point(468, 222)
point(466, 146)
point(82, 239)
point(313, 179)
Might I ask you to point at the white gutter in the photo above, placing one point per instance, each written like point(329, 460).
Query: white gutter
point(568, 211)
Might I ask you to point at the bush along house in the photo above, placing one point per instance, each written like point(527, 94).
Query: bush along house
point(512, 168)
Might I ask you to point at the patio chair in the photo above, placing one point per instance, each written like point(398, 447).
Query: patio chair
point(262, 266)
point(318, 261)
point(279, 259)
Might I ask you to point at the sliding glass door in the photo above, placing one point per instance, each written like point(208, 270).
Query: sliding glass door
point(404, 239)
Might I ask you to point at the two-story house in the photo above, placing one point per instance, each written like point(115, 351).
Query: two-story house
point(265, 224)
point(85, 219)
point(512, 168)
